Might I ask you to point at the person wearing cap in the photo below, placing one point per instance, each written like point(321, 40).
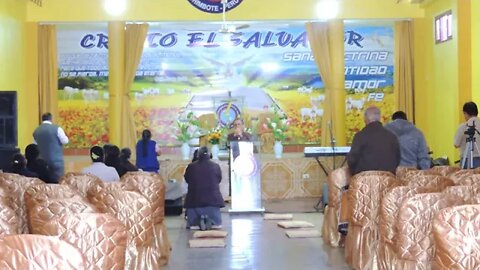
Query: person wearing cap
point(203, 197)
point(98, 168)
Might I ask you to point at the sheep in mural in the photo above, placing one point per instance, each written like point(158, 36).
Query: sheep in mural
point(170, 91)
point(138, 96)
point(69, 92)
point(355, 103)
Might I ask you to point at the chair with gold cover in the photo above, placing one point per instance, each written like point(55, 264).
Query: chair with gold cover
point(153, 188)
point(414, 245)
point(34, 252)
point(365, 193)
point(337, 180)
point(136, 213)
point(15, 186)
point(455, 232)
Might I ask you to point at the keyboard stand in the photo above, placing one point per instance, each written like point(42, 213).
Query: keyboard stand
point(321, 166)
point(319, 207)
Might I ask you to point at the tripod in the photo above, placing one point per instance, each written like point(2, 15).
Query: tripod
point(470, 148)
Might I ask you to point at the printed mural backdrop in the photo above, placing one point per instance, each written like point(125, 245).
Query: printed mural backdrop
point(196, 68)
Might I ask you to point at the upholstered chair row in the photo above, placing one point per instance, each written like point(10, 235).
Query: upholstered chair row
point(455, 233)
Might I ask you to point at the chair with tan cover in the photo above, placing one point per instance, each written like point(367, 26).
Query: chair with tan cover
point(471, 180)
point(436, 182)
point(414, 246)
point(444, 170)
point(48, 192)
point(81, 182)
point(9, 224)
point(409, 175)
point(455, 232)
point(100, 237)
point(365, 194)
point(391, 203)
point(460, 174)
point(152, 187)
point(402, 170)
point(39, 252)
point(45, 203)
point(43, 215)
point(467, 193)
point(136, 213)
point(337, 180)
point(15, 186)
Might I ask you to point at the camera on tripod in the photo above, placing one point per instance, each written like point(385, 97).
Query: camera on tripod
point(471, 130)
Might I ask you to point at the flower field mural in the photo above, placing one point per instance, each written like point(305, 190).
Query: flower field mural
point(187, 68)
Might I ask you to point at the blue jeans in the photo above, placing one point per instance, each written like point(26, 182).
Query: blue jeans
point(194, 214)
point(476, 163)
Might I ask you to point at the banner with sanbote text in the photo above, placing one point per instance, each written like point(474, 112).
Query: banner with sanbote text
point(207, 70)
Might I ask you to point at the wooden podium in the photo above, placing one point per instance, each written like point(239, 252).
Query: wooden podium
point(245, 172)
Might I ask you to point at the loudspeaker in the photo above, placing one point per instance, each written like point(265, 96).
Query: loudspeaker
point(8, 119)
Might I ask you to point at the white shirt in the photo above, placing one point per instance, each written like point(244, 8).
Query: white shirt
point(460, 137)
point(60, 133)
point(102, 171)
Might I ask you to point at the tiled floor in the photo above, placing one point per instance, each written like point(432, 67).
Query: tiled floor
point(253, 243)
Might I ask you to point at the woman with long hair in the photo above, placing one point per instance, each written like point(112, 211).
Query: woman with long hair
point(147, 153)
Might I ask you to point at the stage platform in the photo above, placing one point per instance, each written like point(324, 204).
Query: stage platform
point(292, 176)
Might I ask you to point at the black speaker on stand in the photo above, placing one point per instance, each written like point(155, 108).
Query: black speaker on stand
point(8, 128)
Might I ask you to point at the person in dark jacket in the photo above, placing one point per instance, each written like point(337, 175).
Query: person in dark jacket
point(147, 153)
point(113, 160)
point(125, 155)
point(374, 148)
point(36, 164)
point(203, 197)
point(19, 166)
point(413, 147)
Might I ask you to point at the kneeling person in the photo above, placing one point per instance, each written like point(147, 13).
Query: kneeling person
point(204, 199)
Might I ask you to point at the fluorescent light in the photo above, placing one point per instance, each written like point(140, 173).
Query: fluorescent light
point(164, 66)
point(115, 7)
point(327, 9)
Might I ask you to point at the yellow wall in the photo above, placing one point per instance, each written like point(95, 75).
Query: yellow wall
point(443, 76)
point(174, 10)
point(13, 46)
point(475, 42)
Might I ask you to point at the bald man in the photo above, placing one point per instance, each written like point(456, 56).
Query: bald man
point(374, 148)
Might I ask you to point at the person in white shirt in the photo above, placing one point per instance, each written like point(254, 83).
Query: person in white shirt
point(98, 168)
point(470, 112)
point(50, 139)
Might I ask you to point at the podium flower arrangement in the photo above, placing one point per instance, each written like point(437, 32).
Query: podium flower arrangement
point(215, 135)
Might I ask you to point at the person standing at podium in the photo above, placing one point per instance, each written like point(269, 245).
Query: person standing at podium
point(239, 133)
